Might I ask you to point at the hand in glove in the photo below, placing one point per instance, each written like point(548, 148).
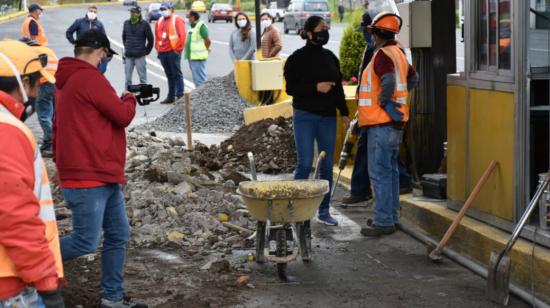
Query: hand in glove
point(52, 299)
point(391, 109)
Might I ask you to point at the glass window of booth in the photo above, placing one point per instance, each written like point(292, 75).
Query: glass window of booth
point(494, 35)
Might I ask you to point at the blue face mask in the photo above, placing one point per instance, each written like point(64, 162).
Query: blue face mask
point(102, 67)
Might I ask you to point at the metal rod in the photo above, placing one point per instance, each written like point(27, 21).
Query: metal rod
point(258, 25)
point(188, 120)
point(473, 266)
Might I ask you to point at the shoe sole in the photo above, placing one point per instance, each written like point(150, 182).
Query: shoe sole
point(326, 223)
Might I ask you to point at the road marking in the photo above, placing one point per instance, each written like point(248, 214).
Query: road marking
point(163, 78)
point(187, 83)
point(539, 49)
point(220, 42)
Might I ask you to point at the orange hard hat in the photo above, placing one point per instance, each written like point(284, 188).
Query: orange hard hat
point(387, 21)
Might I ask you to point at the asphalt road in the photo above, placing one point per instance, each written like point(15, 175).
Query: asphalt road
point(56, 21)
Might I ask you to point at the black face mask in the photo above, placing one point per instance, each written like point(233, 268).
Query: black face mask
point(320, 37)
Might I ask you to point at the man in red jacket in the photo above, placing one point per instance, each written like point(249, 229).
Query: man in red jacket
point(90, 152)
point(170, 41)
point(30, 259)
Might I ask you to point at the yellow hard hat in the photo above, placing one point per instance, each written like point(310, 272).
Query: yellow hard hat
point(18, 59)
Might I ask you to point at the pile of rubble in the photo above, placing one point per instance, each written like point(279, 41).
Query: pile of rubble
point(271, 141)
point(216, 107)
point(172, 201)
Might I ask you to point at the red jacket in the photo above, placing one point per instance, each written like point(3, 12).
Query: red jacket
point(163, 30)
point(21, 229)
point(89, 140)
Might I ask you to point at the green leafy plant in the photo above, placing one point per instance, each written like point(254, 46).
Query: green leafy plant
point(351, 47)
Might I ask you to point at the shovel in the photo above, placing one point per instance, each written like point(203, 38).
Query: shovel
point(498, 280)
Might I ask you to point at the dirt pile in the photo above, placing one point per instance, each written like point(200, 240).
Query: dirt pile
point(271, 141)
point(216, 107)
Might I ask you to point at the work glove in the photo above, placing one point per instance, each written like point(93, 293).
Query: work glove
point(391, 109)
point(52, 299)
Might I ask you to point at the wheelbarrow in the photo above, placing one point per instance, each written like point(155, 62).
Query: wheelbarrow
point(283, 210)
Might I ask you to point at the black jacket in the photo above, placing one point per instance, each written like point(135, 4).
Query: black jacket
point(82, 25)
point(305, 68)
point(135, 37)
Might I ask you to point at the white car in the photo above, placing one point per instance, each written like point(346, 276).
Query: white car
point(275, 12)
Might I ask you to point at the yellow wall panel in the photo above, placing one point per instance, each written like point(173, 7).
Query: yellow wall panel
point(492, 137)
point(456, 143)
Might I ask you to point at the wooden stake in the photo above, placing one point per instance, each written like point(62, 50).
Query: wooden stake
point(187, 106)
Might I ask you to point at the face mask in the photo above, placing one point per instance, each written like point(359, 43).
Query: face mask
point(91, 15)
point(134, 19)
point(242, 23)
point(165, 13)
point(265, 23)
point(320, 37)
point(29, 108)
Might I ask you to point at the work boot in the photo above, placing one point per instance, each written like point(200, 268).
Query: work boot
point(47, 153)
point(167, 101)
point(123, 303)
point(178, 99)
point(374, 230)
point(355, 199)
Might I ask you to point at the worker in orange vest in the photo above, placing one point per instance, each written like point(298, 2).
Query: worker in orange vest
point(382, 99)
point(30, 257)
point(32, 29)
point(170, 41)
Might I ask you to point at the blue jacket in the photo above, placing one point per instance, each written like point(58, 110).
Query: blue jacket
point(82, 25)
point(138, 39)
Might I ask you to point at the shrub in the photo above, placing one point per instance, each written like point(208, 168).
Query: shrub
point(351, 47)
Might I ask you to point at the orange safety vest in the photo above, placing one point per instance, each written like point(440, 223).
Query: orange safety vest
point(172, 32)
point(370, 111)
point(53, 61)
point(40, 38)
point(43, 194)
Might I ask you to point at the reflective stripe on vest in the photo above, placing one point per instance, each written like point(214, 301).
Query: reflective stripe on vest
point(172, 32)
point(198, 49)
point(43, 194)
point(370, 111)
point(40, 38)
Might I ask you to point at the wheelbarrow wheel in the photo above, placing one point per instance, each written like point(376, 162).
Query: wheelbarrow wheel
point(280, 238)
point(260, 242)
point(304, 234)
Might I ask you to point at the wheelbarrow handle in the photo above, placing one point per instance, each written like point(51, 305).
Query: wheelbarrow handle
point(252, 166)
point(318, 165)
point(528, 211)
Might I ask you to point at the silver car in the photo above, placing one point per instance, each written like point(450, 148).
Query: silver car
point(299, 11)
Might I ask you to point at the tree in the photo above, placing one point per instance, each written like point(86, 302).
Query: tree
point(351, 47)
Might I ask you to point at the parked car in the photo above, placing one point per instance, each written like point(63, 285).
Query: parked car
point(129, 2)
point(220, 11)
point(153, 12)
point(299, 11)
point(273, 10)
point(198, 6)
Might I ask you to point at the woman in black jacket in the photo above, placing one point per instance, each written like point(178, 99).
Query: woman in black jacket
point(314, 80)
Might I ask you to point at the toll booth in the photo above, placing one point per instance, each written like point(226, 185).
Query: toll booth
point(498, 107)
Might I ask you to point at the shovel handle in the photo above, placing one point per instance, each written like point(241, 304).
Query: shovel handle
point(252, 166)
point(318, 164)
point(528, 211)
point(464, 209)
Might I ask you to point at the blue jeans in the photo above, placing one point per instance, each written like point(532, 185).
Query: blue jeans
point(45, 106)
point(383, 153)
point(28, 298)
point(171, 62)
point(360, 182)
point(309, 127)
point(198, 70)
point(141, 67)
point(95, 209)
